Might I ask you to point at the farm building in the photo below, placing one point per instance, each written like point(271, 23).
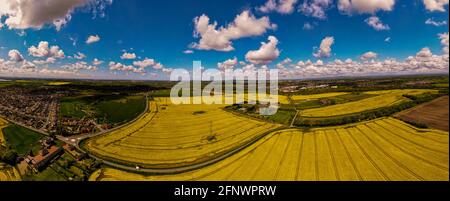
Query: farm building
point(37, 163)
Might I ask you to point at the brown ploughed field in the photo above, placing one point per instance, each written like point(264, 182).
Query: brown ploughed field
point(434, 114)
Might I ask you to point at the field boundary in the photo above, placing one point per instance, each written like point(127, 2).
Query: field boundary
point(131, 167)
point(88, 136)
point(27, 127)
point(122, 165)
point(252, 117)
point(420, 105)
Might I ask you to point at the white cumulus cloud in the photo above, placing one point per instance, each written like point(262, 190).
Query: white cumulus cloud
point(266, 53)
point(280, 6)
point(92, 39)
point(435, 5)
point(377, 24)
point(220, 39)
point(97, 62)
point(325, 48)
point(444, 42)
point(24, 14)
point(228, 64)
point(15, 55)
point(365, 6)
point(144, 63)
point(49, 60)
point(315, 8)
point(127, 55)
point(44, 50)
point(79, 56)
point(368, 55)
point(81, 65)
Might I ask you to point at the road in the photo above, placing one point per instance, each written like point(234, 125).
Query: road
point(137, 169)
point(295, 117)
point(176, 170)
point(25, 126)
point(75, 141)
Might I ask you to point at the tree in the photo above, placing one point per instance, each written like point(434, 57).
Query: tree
point(31, 153)
point(10, 157)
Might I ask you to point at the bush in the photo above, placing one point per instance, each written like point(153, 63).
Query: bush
point(417, 124)
point(10, 157)
point(367, 115)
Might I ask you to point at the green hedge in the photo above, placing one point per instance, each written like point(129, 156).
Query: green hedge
point(367, 115)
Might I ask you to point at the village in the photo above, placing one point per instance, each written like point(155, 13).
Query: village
point(37, 109)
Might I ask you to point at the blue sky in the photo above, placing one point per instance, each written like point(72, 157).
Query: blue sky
point(163, 30)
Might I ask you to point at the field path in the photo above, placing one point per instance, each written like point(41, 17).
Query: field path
point(178, 169)
point(137, 167)
point(295, 117)
point(366, 151)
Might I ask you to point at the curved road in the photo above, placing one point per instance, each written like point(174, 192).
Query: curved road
point(75, 141)
point(138, 169)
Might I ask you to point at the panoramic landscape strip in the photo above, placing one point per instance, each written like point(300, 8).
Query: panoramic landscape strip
point(94, 91)
point(318, 134)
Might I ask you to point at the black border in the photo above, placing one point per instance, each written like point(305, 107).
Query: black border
point(313, 191)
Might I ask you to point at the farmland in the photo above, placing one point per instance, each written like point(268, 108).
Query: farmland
point(47, 175)
point(253, 97)
point(433, 114)
point(21, 139)
point(3, 124)
point(177, 135)
point(8, 173)
point(382, 99)
point(303, 102)
point(376, 134)
point(114, 109)
point(377, 150)
point(316, 96)
point(57, 83)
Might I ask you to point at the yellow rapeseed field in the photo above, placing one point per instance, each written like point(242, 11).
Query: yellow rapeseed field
point(384, 149)
point(383, 99)
point(282, 99)
point(177, 135)
point(58, 83)
point(316, 96)
point(3, 124)
point(8, 173)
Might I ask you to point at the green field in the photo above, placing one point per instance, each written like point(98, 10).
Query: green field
point(73, 108)
point(5, 83)
point(441, 85)
point(160, 93)
point(113, 109)
point(282, 116)
point(322, 102)
point(121, 110)
point(287, 112)
point(302, 105)
point(22, 139)
point(47, 175)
